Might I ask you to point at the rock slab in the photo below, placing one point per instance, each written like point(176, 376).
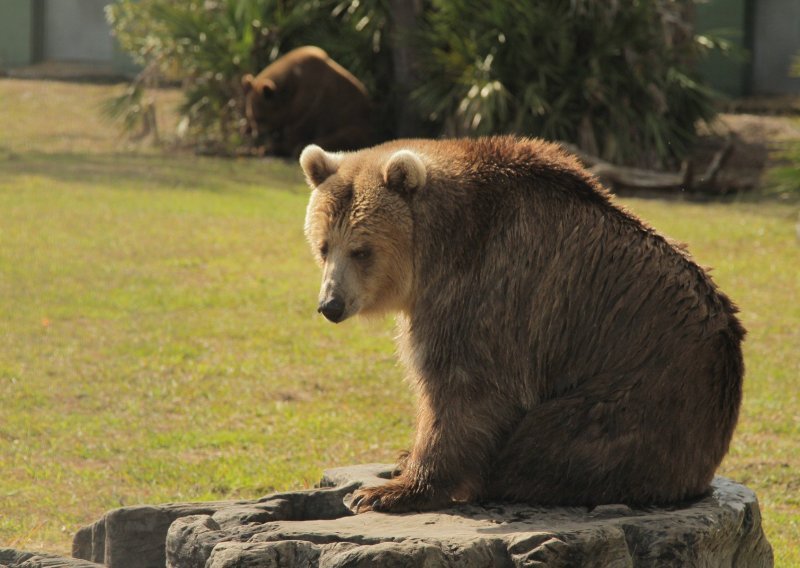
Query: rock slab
point(315, 529)
point(10, 558)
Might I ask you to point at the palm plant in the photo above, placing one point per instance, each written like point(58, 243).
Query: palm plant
point(612, 77)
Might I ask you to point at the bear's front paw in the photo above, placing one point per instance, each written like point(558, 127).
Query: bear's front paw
point(385, 498)
point(393, 497)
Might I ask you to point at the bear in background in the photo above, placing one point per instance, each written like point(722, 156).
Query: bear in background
point(563, 352)
point(305, 97)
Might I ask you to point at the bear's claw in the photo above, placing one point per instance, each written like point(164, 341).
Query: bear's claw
point(352, 501)
point(363, 501)
point(392, 497)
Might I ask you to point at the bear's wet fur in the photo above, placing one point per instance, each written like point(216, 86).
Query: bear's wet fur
point(305, 97)
point(563, 351)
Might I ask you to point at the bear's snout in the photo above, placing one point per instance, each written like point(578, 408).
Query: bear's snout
point(332, 309)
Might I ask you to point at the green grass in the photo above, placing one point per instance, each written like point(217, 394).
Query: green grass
point(783, 179)
point(159, 342)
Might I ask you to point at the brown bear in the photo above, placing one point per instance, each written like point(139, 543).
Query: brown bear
point(305, 97)
point(563, 352)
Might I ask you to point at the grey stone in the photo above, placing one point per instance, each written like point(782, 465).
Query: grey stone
point(284, 554)
point(364, 475)
point(190, 541)
point(387, 555)
point(10, 558)
point(315, 528)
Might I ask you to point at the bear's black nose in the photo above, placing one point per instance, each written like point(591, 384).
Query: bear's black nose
point(333, 309)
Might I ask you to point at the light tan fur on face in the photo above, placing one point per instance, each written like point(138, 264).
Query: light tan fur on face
point(352, 211)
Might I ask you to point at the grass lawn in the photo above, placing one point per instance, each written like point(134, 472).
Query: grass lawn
point(159, 341)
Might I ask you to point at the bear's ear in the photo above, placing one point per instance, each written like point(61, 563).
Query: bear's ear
point(404, 172)
point(247, 83)
point(318, 165)
point(267, 89)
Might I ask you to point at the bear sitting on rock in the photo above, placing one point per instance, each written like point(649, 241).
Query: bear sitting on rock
point(563, 352)
point(306, 97)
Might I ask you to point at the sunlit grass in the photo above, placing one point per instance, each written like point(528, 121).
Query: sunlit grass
point(158, 338)
point(783, 180)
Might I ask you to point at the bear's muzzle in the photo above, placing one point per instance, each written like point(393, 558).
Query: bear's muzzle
point(332, 309)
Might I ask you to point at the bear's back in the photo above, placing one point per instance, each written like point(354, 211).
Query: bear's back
point(310, 67)
point(554, 266)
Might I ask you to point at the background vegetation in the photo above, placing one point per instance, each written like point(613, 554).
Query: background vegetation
point(613, 77)
point(616, 78)
point(209, 45)
point(159, 341)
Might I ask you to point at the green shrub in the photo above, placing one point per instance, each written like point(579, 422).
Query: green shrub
point(613, 77)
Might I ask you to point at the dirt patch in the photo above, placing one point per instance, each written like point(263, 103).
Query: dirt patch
point(755, 140)
point(764, 129)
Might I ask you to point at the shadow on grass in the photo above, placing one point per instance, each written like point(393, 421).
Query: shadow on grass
point(183, 171)
point(154, 171)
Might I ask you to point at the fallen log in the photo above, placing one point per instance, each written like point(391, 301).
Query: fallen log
point(637, 178)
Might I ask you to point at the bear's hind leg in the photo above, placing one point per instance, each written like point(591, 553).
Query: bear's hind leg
point(587, 450)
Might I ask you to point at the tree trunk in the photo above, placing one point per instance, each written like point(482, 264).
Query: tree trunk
point(404, 16)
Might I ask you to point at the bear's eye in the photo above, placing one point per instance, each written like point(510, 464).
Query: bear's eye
point(323, 250)
point(361, 254)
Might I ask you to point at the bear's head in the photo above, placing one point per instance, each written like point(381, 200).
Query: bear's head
point(359, 226)
point(261, 106)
